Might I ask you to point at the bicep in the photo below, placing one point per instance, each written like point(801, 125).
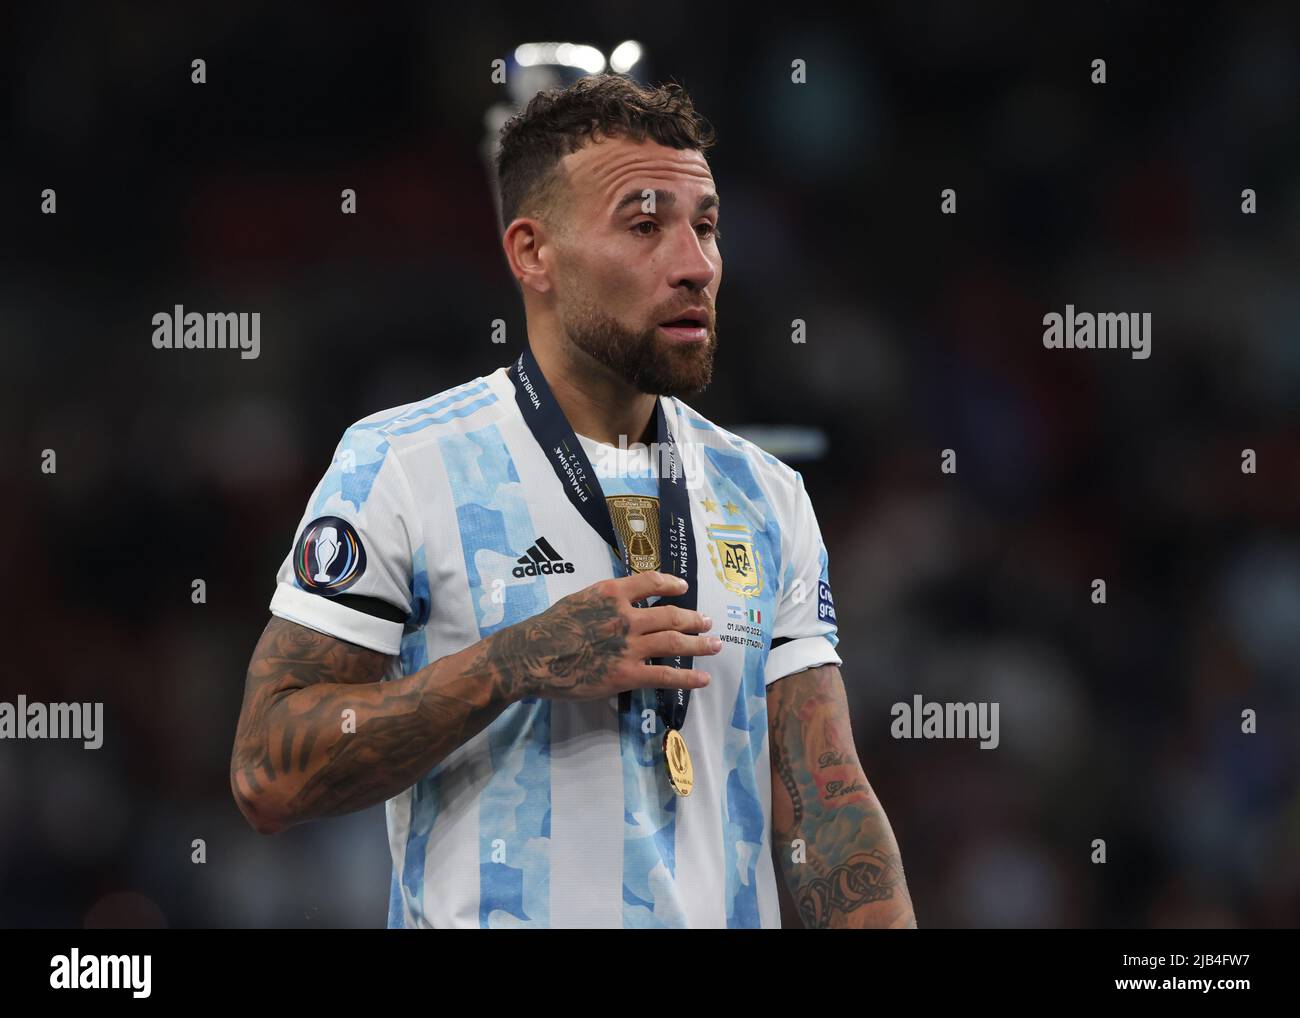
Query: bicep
point(815, 768)
point(290, 657)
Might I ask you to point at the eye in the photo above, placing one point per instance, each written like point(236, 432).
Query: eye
point(712, 230)
point(636, 228)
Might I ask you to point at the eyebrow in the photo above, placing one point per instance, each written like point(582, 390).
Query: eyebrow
point(668, 199)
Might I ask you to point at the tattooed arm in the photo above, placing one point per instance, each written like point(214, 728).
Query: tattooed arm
point(294, 759)
point(847, 871)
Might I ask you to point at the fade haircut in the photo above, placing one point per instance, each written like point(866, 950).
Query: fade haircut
point(559, 121)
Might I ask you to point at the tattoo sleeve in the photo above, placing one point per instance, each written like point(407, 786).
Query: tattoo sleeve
point(829, 832)
point(298, 756)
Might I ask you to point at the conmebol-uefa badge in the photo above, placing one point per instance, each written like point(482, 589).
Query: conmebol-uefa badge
point(329, 557)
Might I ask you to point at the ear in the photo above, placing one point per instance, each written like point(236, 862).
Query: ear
point(525, 244)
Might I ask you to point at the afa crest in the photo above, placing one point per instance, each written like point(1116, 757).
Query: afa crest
point(735, 560)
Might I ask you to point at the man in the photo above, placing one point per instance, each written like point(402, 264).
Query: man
point(594, 688)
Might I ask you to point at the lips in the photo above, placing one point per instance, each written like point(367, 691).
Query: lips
point(689, 318)
point(687, 332)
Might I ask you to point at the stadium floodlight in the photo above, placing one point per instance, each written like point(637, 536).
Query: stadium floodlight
point(565, 54)
point(626, 55)
point(792, 443)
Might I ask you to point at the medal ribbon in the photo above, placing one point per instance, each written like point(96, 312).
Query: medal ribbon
point(569, 460)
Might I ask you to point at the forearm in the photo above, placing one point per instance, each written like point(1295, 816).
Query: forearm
point(329, 748)
point(320, 735)
point(829, 831)
point(843, 867)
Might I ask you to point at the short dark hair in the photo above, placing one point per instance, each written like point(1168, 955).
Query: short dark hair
point(559, 121)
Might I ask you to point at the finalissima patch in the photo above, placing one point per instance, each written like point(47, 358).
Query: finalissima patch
point(329, 557)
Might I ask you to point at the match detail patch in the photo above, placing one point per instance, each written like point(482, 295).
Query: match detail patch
point(329, 556)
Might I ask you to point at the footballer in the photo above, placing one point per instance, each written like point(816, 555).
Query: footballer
point(593, 688)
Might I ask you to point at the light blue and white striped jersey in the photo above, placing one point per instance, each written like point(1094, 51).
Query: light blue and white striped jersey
point(559, 813)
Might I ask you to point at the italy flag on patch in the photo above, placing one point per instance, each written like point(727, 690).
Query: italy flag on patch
point(755, 615)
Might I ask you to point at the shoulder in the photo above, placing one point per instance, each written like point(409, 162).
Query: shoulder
point(465, 407)
point(377, 449)
point(737, 457)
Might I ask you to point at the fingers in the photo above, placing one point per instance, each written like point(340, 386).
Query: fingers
point(670, 643)
point(648, 584)
point(664, 631)
point(666, 677)
point(669, 616)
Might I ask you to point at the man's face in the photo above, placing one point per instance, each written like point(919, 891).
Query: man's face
point(623, 273)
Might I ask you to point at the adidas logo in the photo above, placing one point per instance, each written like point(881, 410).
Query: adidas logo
point(541, 560)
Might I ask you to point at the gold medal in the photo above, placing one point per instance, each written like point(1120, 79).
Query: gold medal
point(681, 775)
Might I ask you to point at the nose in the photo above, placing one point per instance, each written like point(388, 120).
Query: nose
point(690, 263)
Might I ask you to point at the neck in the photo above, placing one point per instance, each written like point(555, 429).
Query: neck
point(595, 402)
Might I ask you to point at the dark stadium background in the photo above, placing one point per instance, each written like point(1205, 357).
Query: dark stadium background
point(1119, 721)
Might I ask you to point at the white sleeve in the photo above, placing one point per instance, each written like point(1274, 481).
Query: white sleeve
point(349, 572)
point(804, 634)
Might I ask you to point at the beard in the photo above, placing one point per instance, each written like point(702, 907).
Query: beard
point(644, 359)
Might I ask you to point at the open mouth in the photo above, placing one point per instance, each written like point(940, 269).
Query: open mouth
point(692, 326)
